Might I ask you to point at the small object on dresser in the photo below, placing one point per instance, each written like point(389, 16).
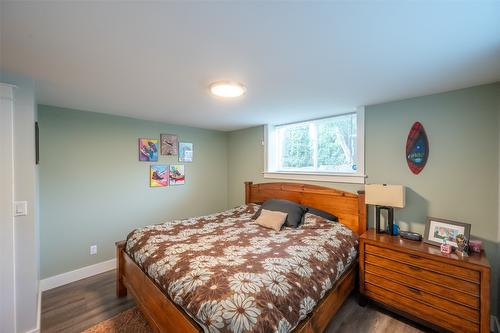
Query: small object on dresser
point(462, 246)
point(475, 245)
point(410, 235)
point(445, 248)
point(395, 229)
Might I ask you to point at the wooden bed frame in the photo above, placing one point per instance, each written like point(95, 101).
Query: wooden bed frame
point(164, 315)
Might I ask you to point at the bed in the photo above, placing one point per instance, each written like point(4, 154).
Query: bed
point(183, 280)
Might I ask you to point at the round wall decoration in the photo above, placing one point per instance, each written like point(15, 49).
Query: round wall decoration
point(417, 148)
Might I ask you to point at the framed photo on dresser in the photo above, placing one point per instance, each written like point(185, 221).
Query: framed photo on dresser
point(437, 231)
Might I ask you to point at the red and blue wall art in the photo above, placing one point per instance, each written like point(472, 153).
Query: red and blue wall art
point(417, 148)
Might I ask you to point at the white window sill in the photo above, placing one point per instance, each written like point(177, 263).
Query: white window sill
point(316, 176)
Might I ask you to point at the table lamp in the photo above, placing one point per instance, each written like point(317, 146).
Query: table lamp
point(385, 197)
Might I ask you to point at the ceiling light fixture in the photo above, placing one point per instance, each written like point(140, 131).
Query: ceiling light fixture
point(227, 89)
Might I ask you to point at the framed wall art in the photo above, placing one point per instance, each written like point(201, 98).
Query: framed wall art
point(185, 152)
point(169, 144)
point(438, 230)
point(148, 150)
point(177, 175)
point(158, 175)
point(417, 148)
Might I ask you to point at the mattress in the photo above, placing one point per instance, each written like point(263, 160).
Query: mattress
point(231, 275)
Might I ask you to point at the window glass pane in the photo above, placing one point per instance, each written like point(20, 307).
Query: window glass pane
point(337, 148)
point(325, 145)
point(296, 147)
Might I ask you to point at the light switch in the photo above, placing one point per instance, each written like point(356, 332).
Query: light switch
point(20, 208)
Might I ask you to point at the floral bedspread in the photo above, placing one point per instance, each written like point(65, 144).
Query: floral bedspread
point(232, 275)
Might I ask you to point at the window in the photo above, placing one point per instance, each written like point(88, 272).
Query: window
point(329, 149)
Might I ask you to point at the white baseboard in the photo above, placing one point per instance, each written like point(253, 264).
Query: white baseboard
point(495, 326)
point(36, 330)
point(77, 274)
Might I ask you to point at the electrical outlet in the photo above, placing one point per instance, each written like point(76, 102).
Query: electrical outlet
point(93, 250)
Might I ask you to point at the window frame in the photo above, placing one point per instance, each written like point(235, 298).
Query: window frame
point(270, 163)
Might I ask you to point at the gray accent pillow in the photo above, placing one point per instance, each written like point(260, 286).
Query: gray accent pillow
point(321, 213)
point(295, 211)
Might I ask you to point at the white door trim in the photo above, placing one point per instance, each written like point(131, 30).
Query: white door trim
point(7, 259)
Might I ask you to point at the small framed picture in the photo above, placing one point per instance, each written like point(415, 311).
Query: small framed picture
point(177, 175)
point(158, 175)
point(439, 230)
point(148, 150)
point(185, 152)
point(169, 144)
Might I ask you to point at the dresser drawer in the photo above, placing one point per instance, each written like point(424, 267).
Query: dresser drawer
point(441, 318)
point(440, 289)
point(418, 261)
point(419, 295)
point(423, 274)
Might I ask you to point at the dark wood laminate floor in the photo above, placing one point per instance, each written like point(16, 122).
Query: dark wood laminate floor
point(82, 304)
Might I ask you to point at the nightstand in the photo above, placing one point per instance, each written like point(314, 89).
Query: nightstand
point(416, 280)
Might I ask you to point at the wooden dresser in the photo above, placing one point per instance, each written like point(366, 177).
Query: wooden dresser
point(416, 280)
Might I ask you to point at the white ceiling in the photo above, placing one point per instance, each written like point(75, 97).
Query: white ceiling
point(299, 60)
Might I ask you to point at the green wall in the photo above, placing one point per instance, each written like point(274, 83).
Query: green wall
point(460, 181)
point(93, 189)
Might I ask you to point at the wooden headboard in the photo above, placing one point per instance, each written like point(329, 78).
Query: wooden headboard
point(350, 208)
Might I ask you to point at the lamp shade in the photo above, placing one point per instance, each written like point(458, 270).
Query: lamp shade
point(385, 195)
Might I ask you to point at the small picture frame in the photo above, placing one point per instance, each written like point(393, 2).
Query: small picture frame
point(158, 175)
point(169, 144)
point(185, 152)
point(177, 175)
point(438, 230)
point(148, 150)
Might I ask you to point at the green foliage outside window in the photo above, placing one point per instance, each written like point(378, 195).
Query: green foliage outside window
point(337, 142)
point(297, 147)
point(328, 145)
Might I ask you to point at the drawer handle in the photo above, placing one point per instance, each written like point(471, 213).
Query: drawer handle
point(413, 256)
point(414, 290)
point(415, 268)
